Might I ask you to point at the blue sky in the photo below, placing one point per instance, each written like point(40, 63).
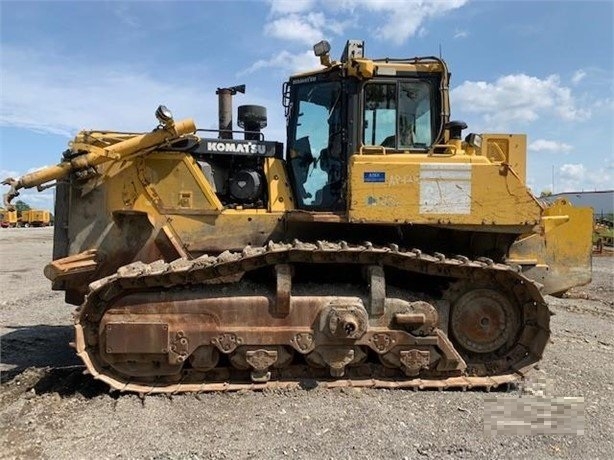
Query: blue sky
point(540, 68)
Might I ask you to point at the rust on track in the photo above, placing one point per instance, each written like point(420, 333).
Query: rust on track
point(184, 275)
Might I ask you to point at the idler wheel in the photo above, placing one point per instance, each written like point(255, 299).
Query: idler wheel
point(483, 320)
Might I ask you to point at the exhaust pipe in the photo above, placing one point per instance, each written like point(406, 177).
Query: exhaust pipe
point(225, 109)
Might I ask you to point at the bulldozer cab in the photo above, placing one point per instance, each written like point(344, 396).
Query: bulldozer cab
point(354, 107)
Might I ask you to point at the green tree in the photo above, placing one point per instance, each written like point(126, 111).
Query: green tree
point(21, 206)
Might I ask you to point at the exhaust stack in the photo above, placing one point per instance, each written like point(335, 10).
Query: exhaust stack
point(225, 109)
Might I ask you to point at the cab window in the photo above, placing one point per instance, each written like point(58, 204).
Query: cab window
point(315, 145)
point(399, 115)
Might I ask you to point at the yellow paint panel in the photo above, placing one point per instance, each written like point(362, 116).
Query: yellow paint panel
point(175, 182)
point(280, 194)
point(512, 147)
point(461, 190)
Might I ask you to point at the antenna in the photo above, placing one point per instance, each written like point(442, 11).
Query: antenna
point(440, 56)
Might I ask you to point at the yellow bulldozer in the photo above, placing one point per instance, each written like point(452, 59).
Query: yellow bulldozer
point(378, 247)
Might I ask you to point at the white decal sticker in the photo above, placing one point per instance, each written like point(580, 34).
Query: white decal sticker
point(445, 188)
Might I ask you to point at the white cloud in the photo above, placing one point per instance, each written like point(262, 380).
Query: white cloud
point(46, 93)
point(4, 173)
point(307, 29)
point(578, 76)
point(540, 145)
point(290, 6)
point(577, 177)
point(402, 19)
point(37, 200)
point(606, 103)
point(461, 34)
point(518, 98)
point(287, 62)
point(393, 21)
point(573, 171)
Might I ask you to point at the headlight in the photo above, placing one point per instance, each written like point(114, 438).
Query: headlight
point(163, 114)
point(321, 48)
point(474, 140)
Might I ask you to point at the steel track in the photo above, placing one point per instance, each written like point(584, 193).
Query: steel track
point(183, 273)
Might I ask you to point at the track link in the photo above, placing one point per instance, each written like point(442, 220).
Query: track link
point(183, 273)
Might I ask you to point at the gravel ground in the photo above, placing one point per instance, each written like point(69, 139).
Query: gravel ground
point(49, 410)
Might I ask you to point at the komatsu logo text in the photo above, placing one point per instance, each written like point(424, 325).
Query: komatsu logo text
point(236, 147)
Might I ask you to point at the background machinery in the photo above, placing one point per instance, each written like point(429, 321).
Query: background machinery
point(34, 218)
point(603, 234)
point(378, 248)
point(8, 218)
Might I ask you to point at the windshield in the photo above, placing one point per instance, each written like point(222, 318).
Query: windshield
point(314, 144)
point(399, 115)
